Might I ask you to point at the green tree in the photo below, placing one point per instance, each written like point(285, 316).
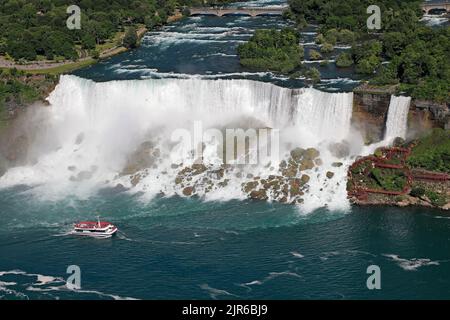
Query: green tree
point(130, 39)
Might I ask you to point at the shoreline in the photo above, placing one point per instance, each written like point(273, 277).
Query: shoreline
point(56, 68)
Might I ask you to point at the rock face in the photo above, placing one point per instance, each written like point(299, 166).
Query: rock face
point(425, 115)
point(370, 109)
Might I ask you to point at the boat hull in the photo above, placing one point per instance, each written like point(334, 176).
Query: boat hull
point(97, 235)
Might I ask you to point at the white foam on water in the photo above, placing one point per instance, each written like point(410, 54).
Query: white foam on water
point(90, 129)
point(411, 264)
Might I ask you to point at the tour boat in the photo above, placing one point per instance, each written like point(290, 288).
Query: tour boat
point(99, 229)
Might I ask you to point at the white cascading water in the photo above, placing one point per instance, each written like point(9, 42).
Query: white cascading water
point(397, 119)
point(91, 128)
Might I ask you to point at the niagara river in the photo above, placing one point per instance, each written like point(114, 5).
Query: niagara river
point(194, 232)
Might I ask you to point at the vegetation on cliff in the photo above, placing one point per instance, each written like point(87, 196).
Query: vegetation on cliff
point(432, 151)
point(272, 50)
point(18, 88)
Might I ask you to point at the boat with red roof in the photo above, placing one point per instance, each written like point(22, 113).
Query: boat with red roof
point(96, 229)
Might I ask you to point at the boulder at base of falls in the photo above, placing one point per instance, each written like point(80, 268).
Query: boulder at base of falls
point(330, 174)
point(306, 164)
point(258, 194)
point(311, 153)
point(305, 178)
point(297, 154)
point(188, 191)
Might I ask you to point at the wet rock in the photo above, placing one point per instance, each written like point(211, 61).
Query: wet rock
point(304, 178)
point(290, 172)
point(249, 186)
point(198, 168)
point(306, 164)
point(135, 179)
point(330, 174)
point(188, 191)
point(297, 154)
point(258, 194)
point(311, 153)
point(249, 176)
point(218, 174)
point(337, 164)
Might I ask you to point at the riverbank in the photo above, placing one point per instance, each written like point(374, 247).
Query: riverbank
point(58, 67)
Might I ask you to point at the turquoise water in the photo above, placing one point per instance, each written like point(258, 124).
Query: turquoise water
point(185, 248)
point(177, 248)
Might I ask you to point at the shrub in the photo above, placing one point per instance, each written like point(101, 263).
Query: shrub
point(344, 60)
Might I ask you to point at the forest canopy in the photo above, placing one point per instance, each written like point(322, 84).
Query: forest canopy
point(272, 50)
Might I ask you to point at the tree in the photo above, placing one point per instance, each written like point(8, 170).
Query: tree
point(326, 48)
point(130, 39)
point(314, 55)
point(313, 75)
point(344, 60)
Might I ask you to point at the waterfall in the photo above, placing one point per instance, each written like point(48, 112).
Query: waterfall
point(91, 129)
point(397, 119)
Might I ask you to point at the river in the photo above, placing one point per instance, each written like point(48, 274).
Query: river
point(207, 247)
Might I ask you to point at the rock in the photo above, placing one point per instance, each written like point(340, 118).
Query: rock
point(249, 176)
point(71, 168)
point(135, 179)
point(198, 168)
point(188, 191)
point(304, 178)
point(223, 183)
point(398, 142)
point(178, 180)
point(311, 153)
point(258, 194)
point(337, 164)
point(218, 174)
point(290, 172)
point(249, 186)
point(297, 154)
point(306, 164)
point(174, 166)
point(295, 187)
point(330, 174)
